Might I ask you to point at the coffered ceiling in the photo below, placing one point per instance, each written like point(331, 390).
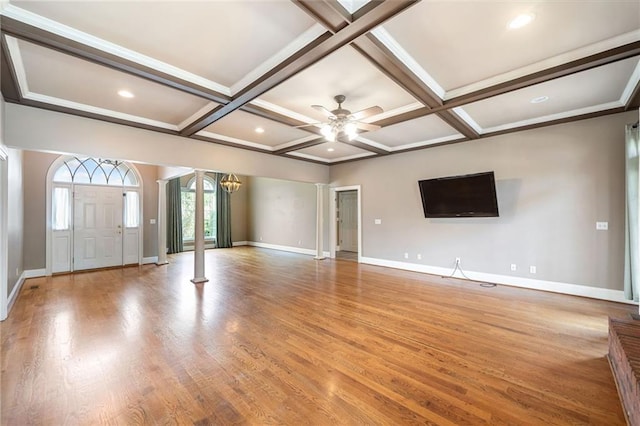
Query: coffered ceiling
point(245, 73)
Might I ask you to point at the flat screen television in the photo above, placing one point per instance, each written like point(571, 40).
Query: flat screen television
point(460, 196)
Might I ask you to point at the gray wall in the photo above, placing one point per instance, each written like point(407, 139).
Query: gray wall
point(553, 184)
point(282, 213)
point(15, 194)
point(35, 166)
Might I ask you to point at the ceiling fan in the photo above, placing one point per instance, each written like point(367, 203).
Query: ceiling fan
point(344, 121)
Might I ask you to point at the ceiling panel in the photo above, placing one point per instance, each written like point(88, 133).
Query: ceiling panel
point(460, 43)
point(597, 86)
point(61, 76)
point(428, 129)
point(343, 72)
point(340, 150)
point(202, 37)
point(225, 46)
point(242, 125)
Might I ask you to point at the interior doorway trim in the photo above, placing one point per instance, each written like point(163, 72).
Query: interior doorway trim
point(333, 218)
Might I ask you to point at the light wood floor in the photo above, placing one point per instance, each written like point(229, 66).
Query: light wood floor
point(279, 338)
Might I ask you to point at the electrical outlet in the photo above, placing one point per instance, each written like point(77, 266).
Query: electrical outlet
point(406, 255)
point(419, 256)
point(299, 242)
point(377, 221)
point(457, 260)
point(532, 269)
point(602, 226)
point(513, 267)
point(260, 238)
point(152, 221)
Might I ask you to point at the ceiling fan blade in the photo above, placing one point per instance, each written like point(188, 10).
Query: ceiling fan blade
point(367, 126)
point(306, 125)
point(368, 112)
point(323, 110)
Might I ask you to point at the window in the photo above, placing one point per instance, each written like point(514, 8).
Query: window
point(131, 209)
point(60, 207)
point(95, 171)
point(188, 200)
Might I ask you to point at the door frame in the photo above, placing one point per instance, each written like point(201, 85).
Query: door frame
point(333, 227)
point(48, 220)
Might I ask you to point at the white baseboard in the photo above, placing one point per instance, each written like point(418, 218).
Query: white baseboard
point(14, 293)
point(290, 249)
point(34, 273)
point(148, 260)
point(240, 243)
point(551, 286)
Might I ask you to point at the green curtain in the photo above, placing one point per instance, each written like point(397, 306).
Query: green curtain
point(223, 213)
point(632, 233)
point(174, 216)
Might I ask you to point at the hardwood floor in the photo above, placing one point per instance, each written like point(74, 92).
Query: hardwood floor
point(279, 338)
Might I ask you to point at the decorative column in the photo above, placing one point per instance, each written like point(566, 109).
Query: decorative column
point(198, 253)
point(162, 222)
point(319, 221)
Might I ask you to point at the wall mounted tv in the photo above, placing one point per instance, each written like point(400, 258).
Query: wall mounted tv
point(460, 196)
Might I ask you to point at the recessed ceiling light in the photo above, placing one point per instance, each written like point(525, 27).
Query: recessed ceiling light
point(330, 149)
point(521, 20)
point(125, 93)
point(259, 130)
point(539, 99)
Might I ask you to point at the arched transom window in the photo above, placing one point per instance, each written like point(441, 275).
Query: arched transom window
point(96, 171)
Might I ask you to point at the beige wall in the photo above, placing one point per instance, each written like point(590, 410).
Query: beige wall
point(65, 133)
point(36, 166)
point(553, 184)
point(149, 209)
point(239, 211)
point(15, 223)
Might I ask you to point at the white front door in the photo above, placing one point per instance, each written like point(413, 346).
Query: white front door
point(348, 220)
point(97, 238)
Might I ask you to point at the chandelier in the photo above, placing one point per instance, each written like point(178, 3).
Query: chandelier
point(230, 183)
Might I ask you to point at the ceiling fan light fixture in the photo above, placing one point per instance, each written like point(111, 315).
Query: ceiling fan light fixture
point(350, 129)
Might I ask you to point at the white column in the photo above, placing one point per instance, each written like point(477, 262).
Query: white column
point(198, 253)
point(162, 222)
point(319, 221)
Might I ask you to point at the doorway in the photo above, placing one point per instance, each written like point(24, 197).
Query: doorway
point(94, 212)
point(346, 227)
point(347, 218)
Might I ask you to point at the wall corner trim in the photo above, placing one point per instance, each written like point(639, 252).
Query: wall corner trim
point(148, 260)
point(550, 286)
point(239, 243)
